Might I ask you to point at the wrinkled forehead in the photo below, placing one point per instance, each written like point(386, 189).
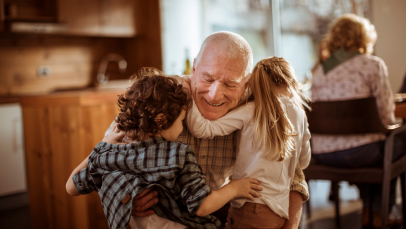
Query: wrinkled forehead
point(216, 65)
point(230, 77)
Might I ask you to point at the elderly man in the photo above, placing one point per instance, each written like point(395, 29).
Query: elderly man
point(218, 81)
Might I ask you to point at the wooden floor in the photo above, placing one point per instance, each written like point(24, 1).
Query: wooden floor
point(323, 211)
point(322, 216)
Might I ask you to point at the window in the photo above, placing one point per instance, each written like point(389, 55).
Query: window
point(302, 26)
point(287, 28)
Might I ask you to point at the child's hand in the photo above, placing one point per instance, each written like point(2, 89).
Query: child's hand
point(246, 187)
point(115, 136)
point(186, 82)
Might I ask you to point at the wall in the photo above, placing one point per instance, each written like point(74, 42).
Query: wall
point(74, 61)
point(389, 18)
point(181, 30)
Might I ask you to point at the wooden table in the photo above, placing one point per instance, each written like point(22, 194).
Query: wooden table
point(60, 130)
point(400, 102)
point(400, 110)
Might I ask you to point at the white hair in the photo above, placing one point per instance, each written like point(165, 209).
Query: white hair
point(231, 46)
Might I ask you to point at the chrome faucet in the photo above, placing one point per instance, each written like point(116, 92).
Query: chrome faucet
point(102, 77)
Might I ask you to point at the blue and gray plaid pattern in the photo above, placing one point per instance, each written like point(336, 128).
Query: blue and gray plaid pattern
point(120, 172)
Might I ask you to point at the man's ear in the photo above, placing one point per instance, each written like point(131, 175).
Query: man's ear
point(193, 67)
point(246, 84)
point(160, 119)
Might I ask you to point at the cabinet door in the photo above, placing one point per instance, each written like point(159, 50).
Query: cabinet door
point(117, 18)
point(110, 18)
point(2, 16)
point(81, 17)
point(12, 163)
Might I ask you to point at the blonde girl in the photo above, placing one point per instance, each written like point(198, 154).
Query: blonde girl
point(274, 138)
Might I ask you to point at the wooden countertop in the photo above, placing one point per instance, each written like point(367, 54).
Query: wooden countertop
point(85, 97)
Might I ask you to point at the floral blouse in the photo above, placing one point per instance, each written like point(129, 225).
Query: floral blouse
point(360, 77)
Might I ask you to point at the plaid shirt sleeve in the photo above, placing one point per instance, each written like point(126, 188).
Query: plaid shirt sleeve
point(83, 182)
point(299, 184)
point(192, 182)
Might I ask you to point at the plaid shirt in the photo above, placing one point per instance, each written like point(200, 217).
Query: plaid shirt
point(217, 157)
point(120, 172)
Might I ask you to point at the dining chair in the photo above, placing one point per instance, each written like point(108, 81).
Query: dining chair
point(356, 117)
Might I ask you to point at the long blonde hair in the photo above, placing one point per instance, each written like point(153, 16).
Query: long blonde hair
point(272, 127)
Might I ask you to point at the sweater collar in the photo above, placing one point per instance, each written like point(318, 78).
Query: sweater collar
point(337, 58)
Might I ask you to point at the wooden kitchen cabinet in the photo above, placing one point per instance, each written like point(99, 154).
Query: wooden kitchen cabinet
point(109, 18)
point(100, 18)
point(61, 130)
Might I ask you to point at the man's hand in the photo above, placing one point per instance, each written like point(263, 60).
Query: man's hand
point(294, 211)
point(115, 136)
point(143, 201)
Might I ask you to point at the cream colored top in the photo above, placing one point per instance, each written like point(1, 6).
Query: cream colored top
point(275, 177)
point(360, 77)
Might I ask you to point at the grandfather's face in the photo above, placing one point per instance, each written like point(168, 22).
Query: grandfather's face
point(217, 84)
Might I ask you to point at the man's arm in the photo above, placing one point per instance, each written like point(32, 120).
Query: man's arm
point(294, 211)
point(298, 194)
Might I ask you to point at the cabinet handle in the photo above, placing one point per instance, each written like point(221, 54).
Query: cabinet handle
point(17, 135)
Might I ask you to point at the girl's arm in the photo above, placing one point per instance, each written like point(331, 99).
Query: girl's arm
point(305, 154)
point(201, 127)
point(112, 137)
point(199, 198)
point(70, 187)
point(245, 187)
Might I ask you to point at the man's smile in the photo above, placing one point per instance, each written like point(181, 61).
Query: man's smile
point(212, 104)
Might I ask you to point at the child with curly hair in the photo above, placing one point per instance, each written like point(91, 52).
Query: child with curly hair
point(151, 116)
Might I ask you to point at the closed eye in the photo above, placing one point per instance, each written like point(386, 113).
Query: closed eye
point(207, 79)
point(230, 85)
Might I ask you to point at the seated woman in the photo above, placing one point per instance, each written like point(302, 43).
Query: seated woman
point(351, 72)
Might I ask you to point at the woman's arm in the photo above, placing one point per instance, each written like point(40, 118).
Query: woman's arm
point(380, 86)
point(201, 127)
point(245, 187)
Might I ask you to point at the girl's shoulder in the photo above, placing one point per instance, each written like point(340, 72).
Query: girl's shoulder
point(294, 104)
point(287, 101)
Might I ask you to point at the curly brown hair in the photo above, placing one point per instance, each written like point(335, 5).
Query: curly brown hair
point(151, 94)
point(351, 33)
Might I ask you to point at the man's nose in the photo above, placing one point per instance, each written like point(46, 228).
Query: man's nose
point(216, 91)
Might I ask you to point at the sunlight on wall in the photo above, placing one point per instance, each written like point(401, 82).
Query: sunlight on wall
point(181, 30)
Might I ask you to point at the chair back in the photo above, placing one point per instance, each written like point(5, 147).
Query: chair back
point(357, 116)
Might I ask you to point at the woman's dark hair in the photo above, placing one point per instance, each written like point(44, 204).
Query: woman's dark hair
point(151, 94)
